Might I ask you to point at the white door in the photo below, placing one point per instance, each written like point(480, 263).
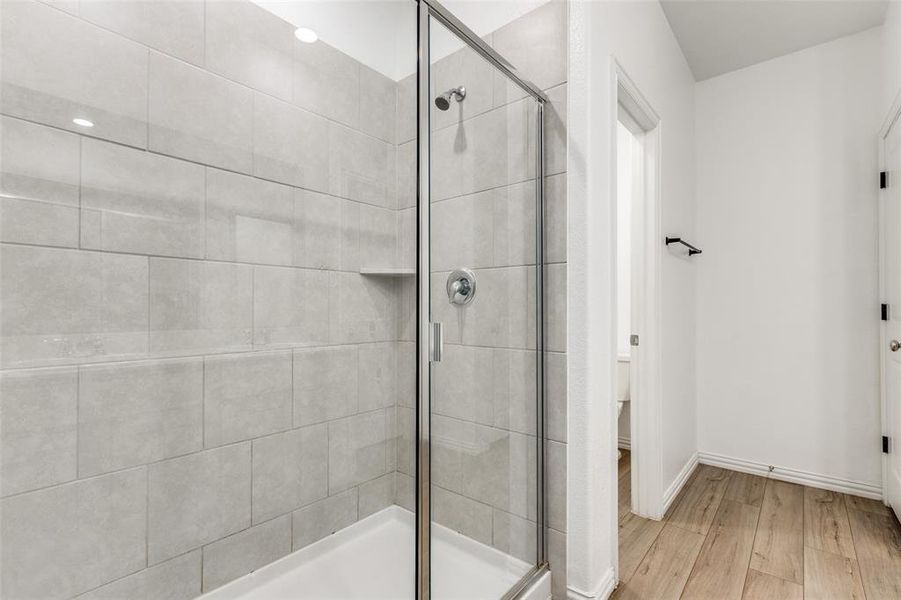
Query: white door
point(891, 340)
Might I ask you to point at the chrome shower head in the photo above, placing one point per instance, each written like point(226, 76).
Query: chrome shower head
point(443, 101)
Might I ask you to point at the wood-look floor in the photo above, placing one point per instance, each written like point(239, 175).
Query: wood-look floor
point(736, 536)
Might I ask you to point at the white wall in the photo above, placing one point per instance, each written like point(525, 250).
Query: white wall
point(787, 340)
point(638, 35)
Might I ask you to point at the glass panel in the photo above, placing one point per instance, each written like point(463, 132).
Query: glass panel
point(483, 291)
point(205, 283)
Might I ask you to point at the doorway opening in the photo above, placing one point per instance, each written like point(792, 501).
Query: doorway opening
point(638, 249)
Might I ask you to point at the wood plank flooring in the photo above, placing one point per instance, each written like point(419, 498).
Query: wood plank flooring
point(736, 536)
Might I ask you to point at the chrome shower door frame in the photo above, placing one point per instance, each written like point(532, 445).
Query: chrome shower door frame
point(425, 10)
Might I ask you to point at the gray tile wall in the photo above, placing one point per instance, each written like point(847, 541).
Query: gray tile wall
point(196, 378)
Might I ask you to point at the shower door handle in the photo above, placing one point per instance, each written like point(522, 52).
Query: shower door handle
point(436, 342)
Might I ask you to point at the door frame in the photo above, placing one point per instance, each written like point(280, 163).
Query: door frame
point(892, 120)
point(646, 403)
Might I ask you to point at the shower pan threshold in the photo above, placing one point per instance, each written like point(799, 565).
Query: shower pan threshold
point(373, 559)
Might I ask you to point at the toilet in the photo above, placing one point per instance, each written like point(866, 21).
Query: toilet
point(623, 390)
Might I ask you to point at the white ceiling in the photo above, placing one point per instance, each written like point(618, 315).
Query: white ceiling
point(381, 34)
point(718, 36)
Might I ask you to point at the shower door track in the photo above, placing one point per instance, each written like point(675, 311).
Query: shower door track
point(427, 8)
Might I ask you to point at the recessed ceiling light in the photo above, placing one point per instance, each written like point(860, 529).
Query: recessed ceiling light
point(306, 35)
point(82, 122)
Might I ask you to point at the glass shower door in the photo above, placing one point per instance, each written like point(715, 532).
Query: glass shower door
point(485, 424)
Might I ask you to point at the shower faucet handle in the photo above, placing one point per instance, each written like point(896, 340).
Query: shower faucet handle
point(461, 287)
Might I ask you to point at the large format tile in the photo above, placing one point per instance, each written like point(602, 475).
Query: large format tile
point(377, 111)
point(378, 376)
point(290, 144)
point(376, 495)
point(50, 73)
point(327, 231)
point(171, 26)
point(555, 396)
point(139, 202)
point(249, 44)
point(39, 179)
point(66, 306)
point(196, 499)
point(37, 428)
point(463, 67)
point(463, 369)
point(514, 535)
point(290, 470)
point(246, 396)
point(323, 518)
point(199, 306)
point(356, 450)
point(65, 540)
point(536, 44)
point(327, 82)
point(199, 116)
point(405, 123)
point(555, 218)
point(246, 551)
point(290, 307)
point(555, 131)
point(248, 219)
point(490, 465)
point(555, 307)
point(406, 175)
point(361, 167)
point(136, 413)
point(325, 384)
point(461, 514)
point(378, 237)
point(361, 308)
point(555, 493)
point(175, 579)
point(463, 232)
point(501, 315)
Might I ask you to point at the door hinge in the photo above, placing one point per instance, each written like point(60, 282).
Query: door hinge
point(883, 312)
point(633, 339)
point(883, 180)
point(885, 444)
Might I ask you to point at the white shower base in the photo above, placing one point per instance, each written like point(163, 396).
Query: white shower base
point(373, 559)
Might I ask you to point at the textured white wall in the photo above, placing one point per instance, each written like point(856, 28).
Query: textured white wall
point(787, 286)
point(638, 35)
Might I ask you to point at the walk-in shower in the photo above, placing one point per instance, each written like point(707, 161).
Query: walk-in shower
point(273, 318)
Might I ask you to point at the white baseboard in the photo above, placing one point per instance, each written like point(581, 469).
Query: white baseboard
point(676, 486)
point(603, 590)
point(826, 482)
point(624, 443)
